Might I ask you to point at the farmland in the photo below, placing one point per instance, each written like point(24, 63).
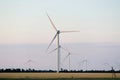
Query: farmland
point(53, 76)
point(63, 79)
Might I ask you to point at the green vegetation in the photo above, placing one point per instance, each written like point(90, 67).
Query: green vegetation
point(61, 79)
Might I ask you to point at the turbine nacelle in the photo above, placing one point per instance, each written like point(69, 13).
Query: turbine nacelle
point(58, 31)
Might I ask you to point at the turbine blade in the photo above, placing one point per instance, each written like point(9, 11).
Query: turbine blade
point(52, 41)
point(65, 49)
point(69, 51)
point(75, 54)
point(66, 57)
point(51, 22)
point(53, 50)
point(68, 31)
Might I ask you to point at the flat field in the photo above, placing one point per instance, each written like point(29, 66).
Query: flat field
point(64, 76)
point(61, 79)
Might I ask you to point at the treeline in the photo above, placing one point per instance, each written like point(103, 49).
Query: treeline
point(63, 70)
point(23, 70)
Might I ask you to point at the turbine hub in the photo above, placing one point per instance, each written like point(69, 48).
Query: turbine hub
point(58, 31)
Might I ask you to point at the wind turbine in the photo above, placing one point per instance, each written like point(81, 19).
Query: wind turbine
point(112, 70)
point(84, 61)
point(58, 42)
point(68, 56)
point(29, 63)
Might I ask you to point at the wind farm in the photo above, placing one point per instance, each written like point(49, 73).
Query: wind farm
point(59, 39)
point(60, 72)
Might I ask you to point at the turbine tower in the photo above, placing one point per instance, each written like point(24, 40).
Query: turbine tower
point(58, 42)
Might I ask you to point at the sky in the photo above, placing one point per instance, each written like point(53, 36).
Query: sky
point(25, 23)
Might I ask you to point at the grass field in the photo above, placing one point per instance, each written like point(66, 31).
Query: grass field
point(58, 76)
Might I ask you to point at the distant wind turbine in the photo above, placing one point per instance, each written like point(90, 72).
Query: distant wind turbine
point(83, 61)
point(112, 70)
point(68, 56)
point(58, 42)
point(29, 63)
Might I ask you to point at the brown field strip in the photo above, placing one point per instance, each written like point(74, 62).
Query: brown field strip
point(58, 75)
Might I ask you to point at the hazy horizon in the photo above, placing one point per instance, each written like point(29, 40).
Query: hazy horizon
point(17, 56)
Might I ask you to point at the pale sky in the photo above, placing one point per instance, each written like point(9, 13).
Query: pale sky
point(25, 21)
point(25, 26)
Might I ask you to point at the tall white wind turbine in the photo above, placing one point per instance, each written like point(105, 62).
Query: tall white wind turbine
point(58, 42)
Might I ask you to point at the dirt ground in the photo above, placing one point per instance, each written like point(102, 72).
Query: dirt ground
point(59, 75)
